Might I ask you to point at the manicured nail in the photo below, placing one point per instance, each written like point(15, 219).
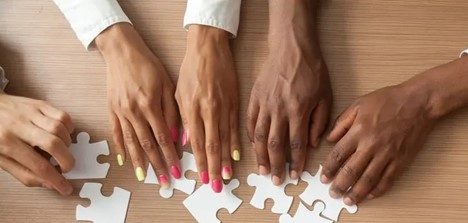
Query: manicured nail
point(204, 177)
point(163, 181)
point(324, 179)
point(140, 174)
point(174, 134)
point(348, 201)
point(120, 160)
point(175, 172)
point(262, 170)
point(236, 155)
point(184, 138)
point(293, 174)
point(227, 173)
point(334, 194)
point(370, 197)
point(217, 186)
point(276, 180)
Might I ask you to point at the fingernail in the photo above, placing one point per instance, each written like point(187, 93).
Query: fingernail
point(334, 194)
point(293, 174)
point(184, 138)
point(348, 201)
point(70, 190)
point(46, 185)
point(120, 160)
point(324, 179)
point(370, 197)
point(204, 177)
point(276, 180)
point(175, 172)
point(163, 181)
point(217, 186)
point(236, 155)
point(262, 170)
point(227, 173)
point(139, 174)
point(174, 134)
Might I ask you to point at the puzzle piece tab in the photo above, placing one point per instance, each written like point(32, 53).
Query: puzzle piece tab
point(303, 215)
point(183, 184)
point(111, 209)
point(317, 191)
point(85, 154)
point(204, 203)
point(265, 189)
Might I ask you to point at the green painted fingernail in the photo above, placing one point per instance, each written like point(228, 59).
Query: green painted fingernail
point(120, 160)
point(139, 174)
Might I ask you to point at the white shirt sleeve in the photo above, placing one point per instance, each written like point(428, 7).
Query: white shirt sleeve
point(88, 18)
point(222, 14)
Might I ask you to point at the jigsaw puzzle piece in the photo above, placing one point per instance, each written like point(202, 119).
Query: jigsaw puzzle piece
point(303, 215)
point(265, 189)
point(85, 154)
point(204, 203)
point(317, 191)
point(103, 209)
point(183, 184)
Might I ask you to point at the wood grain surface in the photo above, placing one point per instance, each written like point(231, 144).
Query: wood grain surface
point(368, 44)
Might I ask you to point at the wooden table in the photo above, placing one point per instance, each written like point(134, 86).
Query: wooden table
point(367, 44)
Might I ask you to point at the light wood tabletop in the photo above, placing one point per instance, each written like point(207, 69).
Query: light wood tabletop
point(367, 44)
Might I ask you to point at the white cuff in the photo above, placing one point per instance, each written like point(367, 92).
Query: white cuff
point(88, 18)
point(463, 53)
point(222, 14)
point(3, 80)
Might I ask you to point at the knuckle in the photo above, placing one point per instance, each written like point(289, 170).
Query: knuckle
point(64, 117)
point(295, 145)
point(260, 135)
point(211, 104)
point(44, 167)
point(274, 145)
point(128, 137)
point(197, 143)
point(212, 148)
point(337, 155)
point(349, 171)
point(56, 127)
point(368, 179)
point(163, 140)
point(52, 145)
point(147, 144)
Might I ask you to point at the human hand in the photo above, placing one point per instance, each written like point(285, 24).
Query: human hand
point(208, 101)
point(28, 124)
point(142, 109)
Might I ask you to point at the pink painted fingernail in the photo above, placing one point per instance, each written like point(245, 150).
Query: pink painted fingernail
point(174, 134)
point(217, 186)
point(184, 138)
point(227, 173)
point(175, 172)
point(204, 177)
point(163, 181)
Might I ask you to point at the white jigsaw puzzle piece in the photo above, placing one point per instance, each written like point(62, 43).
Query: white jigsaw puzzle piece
point(204, 203)
point(103, 209)
point(303, 215)
point(317, 191)
point(183, 184)
point(265, 189)
point(85, 154)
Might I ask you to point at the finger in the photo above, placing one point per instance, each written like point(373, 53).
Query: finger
point(335, 159)
point(164, 139)
point(213, 150)
point(252, 115)
point(53, 127)
point(133, 146)
point(49, 143)
point(298, 144)
point(22, 174)
point(58, 115)
point(342, 124)
point(185, 124)
point(262, 129)
point(349, 173)
point(117, 135)
point(169, 108)
point(276, 151)
point(320, 118)
point(234, 137)
point(225, 137)
point(197, 131)
point(386, 182)
point(367, 181)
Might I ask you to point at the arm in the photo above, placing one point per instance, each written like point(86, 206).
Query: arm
point(296, 76)
point(207, 91)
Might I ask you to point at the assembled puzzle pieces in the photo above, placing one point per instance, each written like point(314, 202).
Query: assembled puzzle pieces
point(303, 215)
point(103, 209)
point(317, 191)
point(183, 184)
point(204, 203)
point(85, 154)
point(265, 189)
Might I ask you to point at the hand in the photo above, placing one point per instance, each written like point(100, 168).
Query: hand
point(208, 101)
point(290, 100)
point(26, 124)
point(142, 109)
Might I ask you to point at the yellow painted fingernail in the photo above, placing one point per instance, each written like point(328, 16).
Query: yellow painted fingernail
point(236, 155)
point(139, 174)
point(120, 160)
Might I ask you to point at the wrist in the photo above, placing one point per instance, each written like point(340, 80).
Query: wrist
point(200, 37)
point(117, 40)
